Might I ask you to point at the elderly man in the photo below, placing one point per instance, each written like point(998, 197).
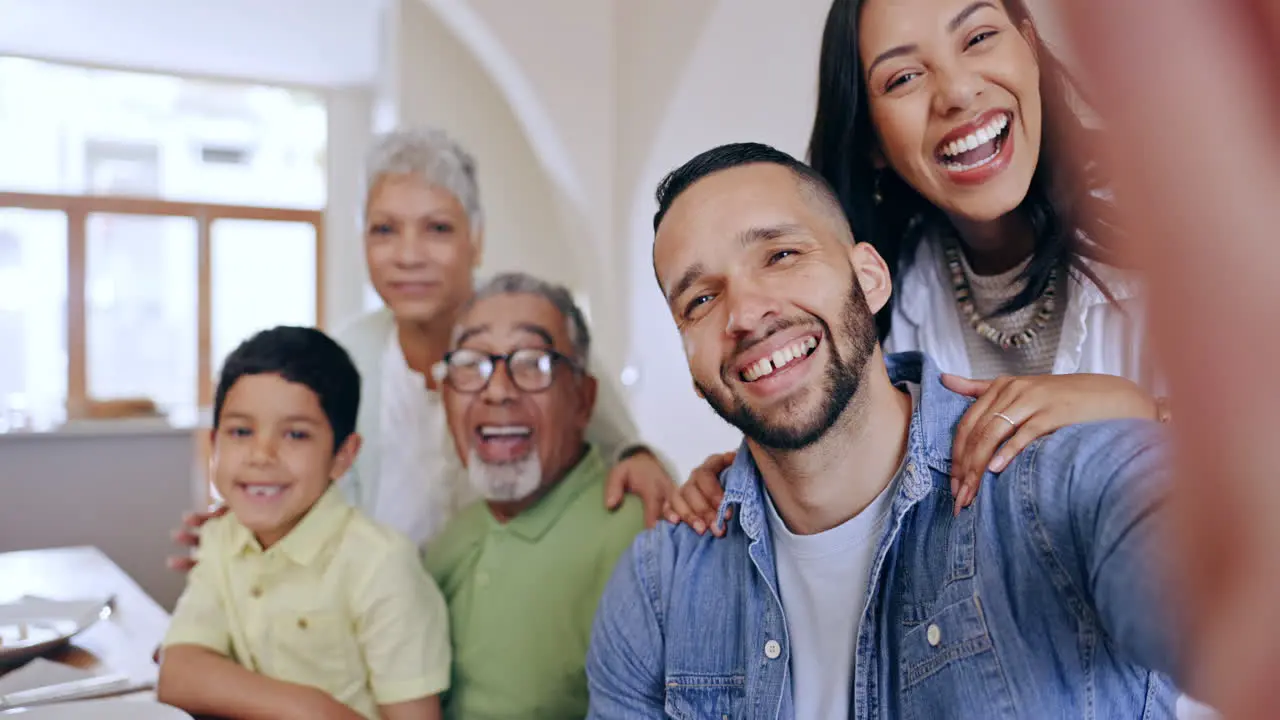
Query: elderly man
point(522, 570)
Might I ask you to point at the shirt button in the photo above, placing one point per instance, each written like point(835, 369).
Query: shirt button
point(302, 623)
point(933, 635)
point(772, 649)
point(911, 468)
point(255, 591)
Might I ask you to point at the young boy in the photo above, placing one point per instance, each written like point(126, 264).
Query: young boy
point(300, 606)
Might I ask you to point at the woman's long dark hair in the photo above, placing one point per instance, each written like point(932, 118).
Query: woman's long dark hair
point(1069, 218)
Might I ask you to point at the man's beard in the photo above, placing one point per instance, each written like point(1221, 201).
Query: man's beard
point(505, 482)
point(843, 377)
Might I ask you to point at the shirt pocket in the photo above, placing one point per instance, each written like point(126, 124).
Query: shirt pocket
point(314, 647)
point(950, 665)
point(706, 697)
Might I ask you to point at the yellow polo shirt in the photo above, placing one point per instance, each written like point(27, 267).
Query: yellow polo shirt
point(340, 603)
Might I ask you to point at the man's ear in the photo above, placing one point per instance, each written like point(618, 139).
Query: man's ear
point(872, 274)
point(588, 389)
point(345, 456)
point(477, 241)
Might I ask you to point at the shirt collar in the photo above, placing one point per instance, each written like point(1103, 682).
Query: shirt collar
point(929, 437)
point(324, 521)
point(537, 519)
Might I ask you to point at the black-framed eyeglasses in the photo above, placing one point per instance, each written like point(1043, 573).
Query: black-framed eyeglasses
point(529, 369)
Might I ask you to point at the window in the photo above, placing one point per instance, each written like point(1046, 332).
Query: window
point(74, 130)
point(264, 274)
point(148, 224)
point(141, 313)
point(33, 316)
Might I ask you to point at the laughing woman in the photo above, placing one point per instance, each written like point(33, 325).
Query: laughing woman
point(954, 139)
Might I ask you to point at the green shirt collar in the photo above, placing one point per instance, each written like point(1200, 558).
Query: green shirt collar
point(536, 520)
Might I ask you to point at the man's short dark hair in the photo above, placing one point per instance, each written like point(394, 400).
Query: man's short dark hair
point(734, 155)
point(300, 355)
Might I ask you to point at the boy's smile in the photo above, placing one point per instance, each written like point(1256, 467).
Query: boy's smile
point(273, 454)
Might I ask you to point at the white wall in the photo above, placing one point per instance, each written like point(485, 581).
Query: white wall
point(305, 42)
point(669, 79)
point(350, 131)
point(121, 489)
point(440, 83)
point(749, 74)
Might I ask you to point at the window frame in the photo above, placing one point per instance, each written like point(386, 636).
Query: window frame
point(77, 209)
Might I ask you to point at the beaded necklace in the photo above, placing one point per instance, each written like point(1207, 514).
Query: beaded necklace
point(1005, 340)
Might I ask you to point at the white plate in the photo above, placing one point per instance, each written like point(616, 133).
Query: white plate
point(113, 709)
point(35, 626)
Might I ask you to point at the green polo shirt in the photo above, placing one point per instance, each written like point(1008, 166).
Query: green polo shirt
point(522, 597)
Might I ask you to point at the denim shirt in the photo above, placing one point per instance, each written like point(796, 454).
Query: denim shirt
point(1040, 600)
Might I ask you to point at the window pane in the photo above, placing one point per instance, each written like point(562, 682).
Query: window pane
point(33, 318)
point(141, 309)
point(264, 274)
point(70, 129)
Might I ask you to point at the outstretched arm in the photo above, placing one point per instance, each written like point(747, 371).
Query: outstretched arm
point(1099, 511)
point(1204, 219)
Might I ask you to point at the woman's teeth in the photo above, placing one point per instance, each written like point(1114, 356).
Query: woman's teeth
point(959, 155)
point(779, 359)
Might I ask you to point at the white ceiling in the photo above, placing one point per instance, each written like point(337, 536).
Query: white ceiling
point(307, 42)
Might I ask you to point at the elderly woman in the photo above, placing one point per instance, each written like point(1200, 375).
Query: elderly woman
point(423, 237)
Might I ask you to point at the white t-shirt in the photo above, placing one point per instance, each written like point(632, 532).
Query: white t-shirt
point(823, 582)
point(422, 483)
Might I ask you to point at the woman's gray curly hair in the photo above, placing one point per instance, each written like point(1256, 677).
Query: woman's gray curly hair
point(433, 156)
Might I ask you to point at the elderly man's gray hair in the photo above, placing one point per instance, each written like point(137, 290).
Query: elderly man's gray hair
point(557, 295)
point(431, 155)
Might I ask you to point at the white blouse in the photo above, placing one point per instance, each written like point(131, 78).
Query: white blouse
point(422, 483)
point(1098, 336)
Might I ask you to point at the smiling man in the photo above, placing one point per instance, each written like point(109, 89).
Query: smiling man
point(846, 585)
point(523, 569)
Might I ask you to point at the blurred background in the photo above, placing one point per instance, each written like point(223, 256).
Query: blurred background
point(176, 174)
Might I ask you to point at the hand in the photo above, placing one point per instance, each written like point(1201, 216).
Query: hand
point(643, 476)
point(1035, 405)
point(188, 536)
point(1202, 218)
point(698, 500)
